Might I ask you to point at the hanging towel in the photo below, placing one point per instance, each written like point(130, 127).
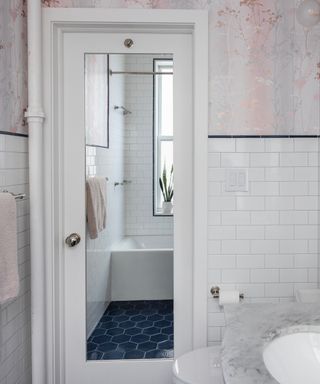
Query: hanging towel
point(96, 205)
point(9, 276)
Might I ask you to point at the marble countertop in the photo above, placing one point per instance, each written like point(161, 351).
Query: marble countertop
point(250, 327)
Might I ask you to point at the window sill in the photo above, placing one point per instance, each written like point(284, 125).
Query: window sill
point(162, 214)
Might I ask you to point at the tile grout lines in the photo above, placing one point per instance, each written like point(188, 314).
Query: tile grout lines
point(133, 330)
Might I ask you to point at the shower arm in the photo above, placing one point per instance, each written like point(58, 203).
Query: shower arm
point(125, 110)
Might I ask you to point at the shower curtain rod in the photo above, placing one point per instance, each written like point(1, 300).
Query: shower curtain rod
point(138, 73)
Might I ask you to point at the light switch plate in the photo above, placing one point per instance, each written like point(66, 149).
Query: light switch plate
point(237, 180)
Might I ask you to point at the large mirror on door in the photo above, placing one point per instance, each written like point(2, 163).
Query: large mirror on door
point(129, 206)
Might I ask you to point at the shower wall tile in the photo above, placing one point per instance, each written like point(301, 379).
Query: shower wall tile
point(109, 163)
point(138, 161)
point(263, 242)
point(15, 317)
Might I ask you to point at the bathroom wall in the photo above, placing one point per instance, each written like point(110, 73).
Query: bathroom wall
point(107, 162)
point(13, 65)
point(15, 318)
point(263, 242)
point(288, 97)
point(139, 152)
point(263, 65)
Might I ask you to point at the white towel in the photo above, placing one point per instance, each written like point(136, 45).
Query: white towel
point(9, 276)
point(96, 205)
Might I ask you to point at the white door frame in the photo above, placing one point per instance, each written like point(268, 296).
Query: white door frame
point(56, 22)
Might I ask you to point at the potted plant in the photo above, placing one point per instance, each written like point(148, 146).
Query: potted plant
point(166, 187)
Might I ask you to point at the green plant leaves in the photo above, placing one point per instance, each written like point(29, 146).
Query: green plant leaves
point(165, 186)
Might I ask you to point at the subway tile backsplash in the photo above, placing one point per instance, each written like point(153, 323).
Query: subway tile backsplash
point(15, 317)
point(262, 242)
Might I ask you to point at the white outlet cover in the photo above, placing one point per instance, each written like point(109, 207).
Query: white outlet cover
point(237, 180)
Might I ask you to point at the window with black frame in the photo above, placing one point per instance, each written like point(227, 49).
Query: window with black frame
point(163, 137)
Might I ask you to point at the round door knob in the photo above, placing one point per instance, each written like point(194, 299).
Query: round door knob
point(73, 239)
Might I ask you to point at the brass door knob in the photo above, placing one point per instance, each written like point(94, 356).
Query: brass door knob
point(73, 239)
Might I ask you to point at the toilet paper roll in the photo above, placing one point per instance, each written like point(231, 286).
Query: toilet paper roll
point(229, 297)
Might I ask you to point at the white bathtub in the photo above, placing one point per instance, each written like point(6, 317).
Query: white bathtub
point(142, 268)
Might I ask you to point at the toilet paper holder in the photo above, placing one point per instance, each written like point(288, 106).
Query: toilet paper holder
point(215, 292)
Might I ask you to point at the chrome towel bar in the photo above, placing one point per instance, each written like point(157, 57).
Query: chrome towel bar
point(17, 196)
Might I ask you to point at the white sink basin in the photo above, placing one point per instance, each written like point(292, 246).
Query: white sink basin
point(294, 358)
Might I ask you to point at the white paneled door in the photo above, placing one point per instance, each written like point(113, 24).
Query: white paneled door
point(72, 176)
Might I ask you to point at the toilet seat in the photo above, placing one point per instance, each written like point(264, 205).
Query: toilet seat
point(201, 366)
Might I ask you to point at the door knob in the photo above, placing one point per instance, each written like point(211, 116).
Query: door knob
point(73, 239)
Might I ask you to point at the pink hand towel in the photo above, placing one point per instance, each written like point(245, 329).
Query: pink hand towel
point(96, 205)
point(9, 276)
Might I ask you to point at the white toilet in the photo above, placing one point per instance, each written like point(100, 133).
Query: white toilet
point(201, 366)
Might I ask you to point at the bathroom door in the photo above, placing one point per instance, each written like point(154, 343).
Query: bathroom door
point(76, 45)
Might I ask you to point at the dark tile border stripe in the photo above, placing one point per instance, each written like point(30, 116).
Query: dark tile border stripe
point(13, 134)
point(212, 136)
point(261, 137)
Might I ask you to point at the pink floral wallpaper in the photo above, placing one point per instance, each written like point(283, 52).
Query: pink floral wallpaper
point(264, 67)
point(13, 65)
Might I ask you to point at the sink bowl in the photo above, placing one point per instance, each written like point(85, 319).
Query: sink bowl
point(294, 358)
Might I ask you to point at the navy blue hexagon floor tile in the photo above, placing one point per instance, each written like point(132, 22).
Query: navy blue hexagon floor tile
point(133, 330)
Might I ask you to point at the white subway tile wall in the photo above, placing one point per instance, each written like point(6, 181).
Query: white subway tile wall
point(15, 318)
point(265, 246)
point(109, 163)
point(139, 152)
point(263, 242)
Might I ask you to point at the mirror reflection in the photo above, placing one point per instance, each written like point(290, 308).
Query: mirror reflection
point(130, 205)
